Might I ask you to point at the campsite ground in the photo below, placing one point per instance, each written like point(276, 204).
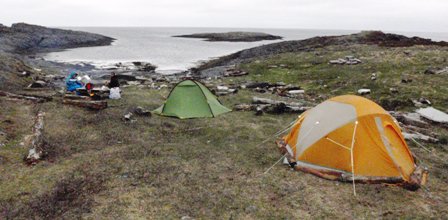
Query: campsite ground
point(99, 166)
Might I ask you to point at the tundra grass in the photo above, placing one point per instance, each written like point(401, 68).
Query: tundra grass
point(99, 166)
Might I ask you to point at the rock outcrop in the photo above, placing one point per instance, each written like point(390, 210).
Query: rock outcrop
point(26, 38)
point(367, 37)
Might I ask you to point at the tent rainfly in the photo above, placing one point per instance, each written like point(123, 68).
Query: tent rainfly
point(350, 138)
point(191, 99)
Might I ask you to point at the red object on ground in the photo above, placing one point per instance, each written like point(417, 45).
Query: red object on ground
point(89, 86)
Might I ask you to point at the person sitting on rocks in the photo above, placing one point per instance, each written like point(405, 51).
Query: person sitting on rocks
point(114, 86)
point(114, 83)
point(72, 82)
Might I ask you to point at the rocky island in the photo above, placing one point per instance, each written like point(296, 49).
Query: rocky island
point(233, 36)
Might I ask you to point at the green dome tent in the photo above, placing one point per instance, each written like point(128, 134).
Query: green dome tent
point(191, 99)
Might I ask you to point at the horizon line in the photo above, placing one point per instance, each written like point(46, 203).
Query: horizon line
point(275, 28)
point(227, 27)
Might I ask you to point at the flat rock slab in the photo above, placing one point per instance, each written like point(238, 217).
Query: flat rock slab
point(433, 114)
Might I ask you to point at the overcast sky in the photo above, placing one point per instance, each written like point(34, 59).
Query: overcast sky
point(398, 15)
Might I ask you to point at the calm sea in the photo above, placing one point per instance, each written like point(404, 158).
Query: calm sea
point(157, 46)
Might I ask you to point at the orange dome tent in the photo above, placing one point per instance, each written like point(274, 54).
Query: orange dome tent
point(350, 138)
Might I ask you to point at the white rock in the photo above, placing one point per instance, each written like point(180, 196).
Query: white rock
point(433, 114)
point(32, 154)
point(364, 91)
point(296, 91)
point(393, 90)
point(222, 88)
point(24, 73)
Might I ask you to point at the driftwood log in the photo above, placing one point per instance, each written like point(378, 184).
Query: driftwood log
point(36, 152)
point(408, 118)
point(260, 105)
point(250, 107)
point(21, 97)
point(46, 98)
point(279, 88)
point(84, 102)
point(234, 72)
point(414, 127)
point(76, 97)
point(257, 100)
point(419, 136)
point(265, 85)
point(94, 105)
point(268, 108)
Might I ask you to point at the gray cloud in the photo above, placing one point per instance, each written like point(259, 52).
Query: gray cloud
point(404, 15)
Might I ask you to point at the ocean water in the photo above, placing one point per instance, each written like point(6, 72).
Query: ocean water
point(157, 46)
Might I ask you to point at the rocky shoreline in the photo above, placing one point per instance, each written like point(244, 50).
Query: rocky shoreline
point(366, 37)
point(233, 36)
point(22, 41)
point(19, 44)
point(22, 66)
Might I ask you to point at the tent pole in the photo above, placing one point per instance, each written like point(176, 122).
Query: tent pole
point(352, 160)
